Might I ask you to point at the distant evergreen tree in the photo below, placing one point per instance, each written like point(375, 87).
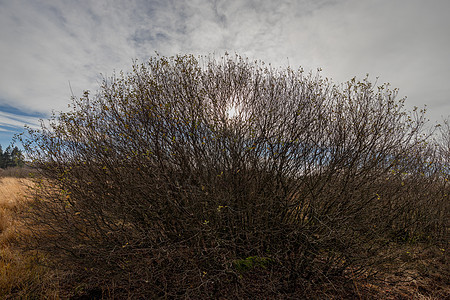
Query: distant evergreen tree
point(11, 157)
point(1, 157)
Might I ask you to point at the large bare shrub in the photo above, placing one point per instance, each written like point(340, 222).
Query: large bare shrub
point(211, 177)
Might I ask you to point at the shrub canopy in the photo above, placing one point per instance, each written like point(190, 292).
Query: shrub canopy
point(179, 173)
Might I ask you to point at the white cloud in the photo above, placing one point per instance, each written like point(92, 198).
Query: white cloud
point(9, 122)
point(46, 44)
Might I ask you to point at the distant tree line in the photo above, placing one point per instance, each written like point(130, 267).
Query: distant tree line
point(11, 157)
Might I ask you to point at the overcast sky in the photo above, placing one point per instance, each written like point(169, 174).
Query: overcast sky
point(44, 45)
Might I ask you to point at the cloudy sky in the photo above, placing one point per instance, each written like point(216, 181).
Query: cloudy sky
point(44, 45)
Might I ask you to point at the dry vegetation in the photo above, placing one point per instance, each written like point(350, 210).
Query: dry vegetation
point(17, 172)
point(421, 271)
point(152, 189)
point(22, 276)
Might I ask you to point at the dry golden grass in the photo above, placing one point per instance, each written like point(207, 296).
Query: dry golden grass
point(21, 276)
point(12, 194)
point(12, 190)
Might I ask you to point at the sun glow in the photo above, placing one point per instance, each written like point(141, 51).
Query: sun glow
point(232, 112)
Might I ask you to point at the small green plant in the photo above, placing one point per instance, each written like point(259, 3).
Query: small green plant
point(252, 262)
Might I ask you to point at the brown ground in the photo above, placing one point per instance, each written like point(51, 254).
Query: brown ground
point(420, 272)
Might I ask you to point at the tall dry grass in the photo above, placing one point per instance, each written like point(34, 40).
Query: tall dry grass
point(21, 276)
point(17, 172)
point(12, 193)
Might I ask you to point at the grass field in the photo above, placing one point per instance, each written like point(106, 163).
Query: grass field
point(22, 276)
point(422, 272)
